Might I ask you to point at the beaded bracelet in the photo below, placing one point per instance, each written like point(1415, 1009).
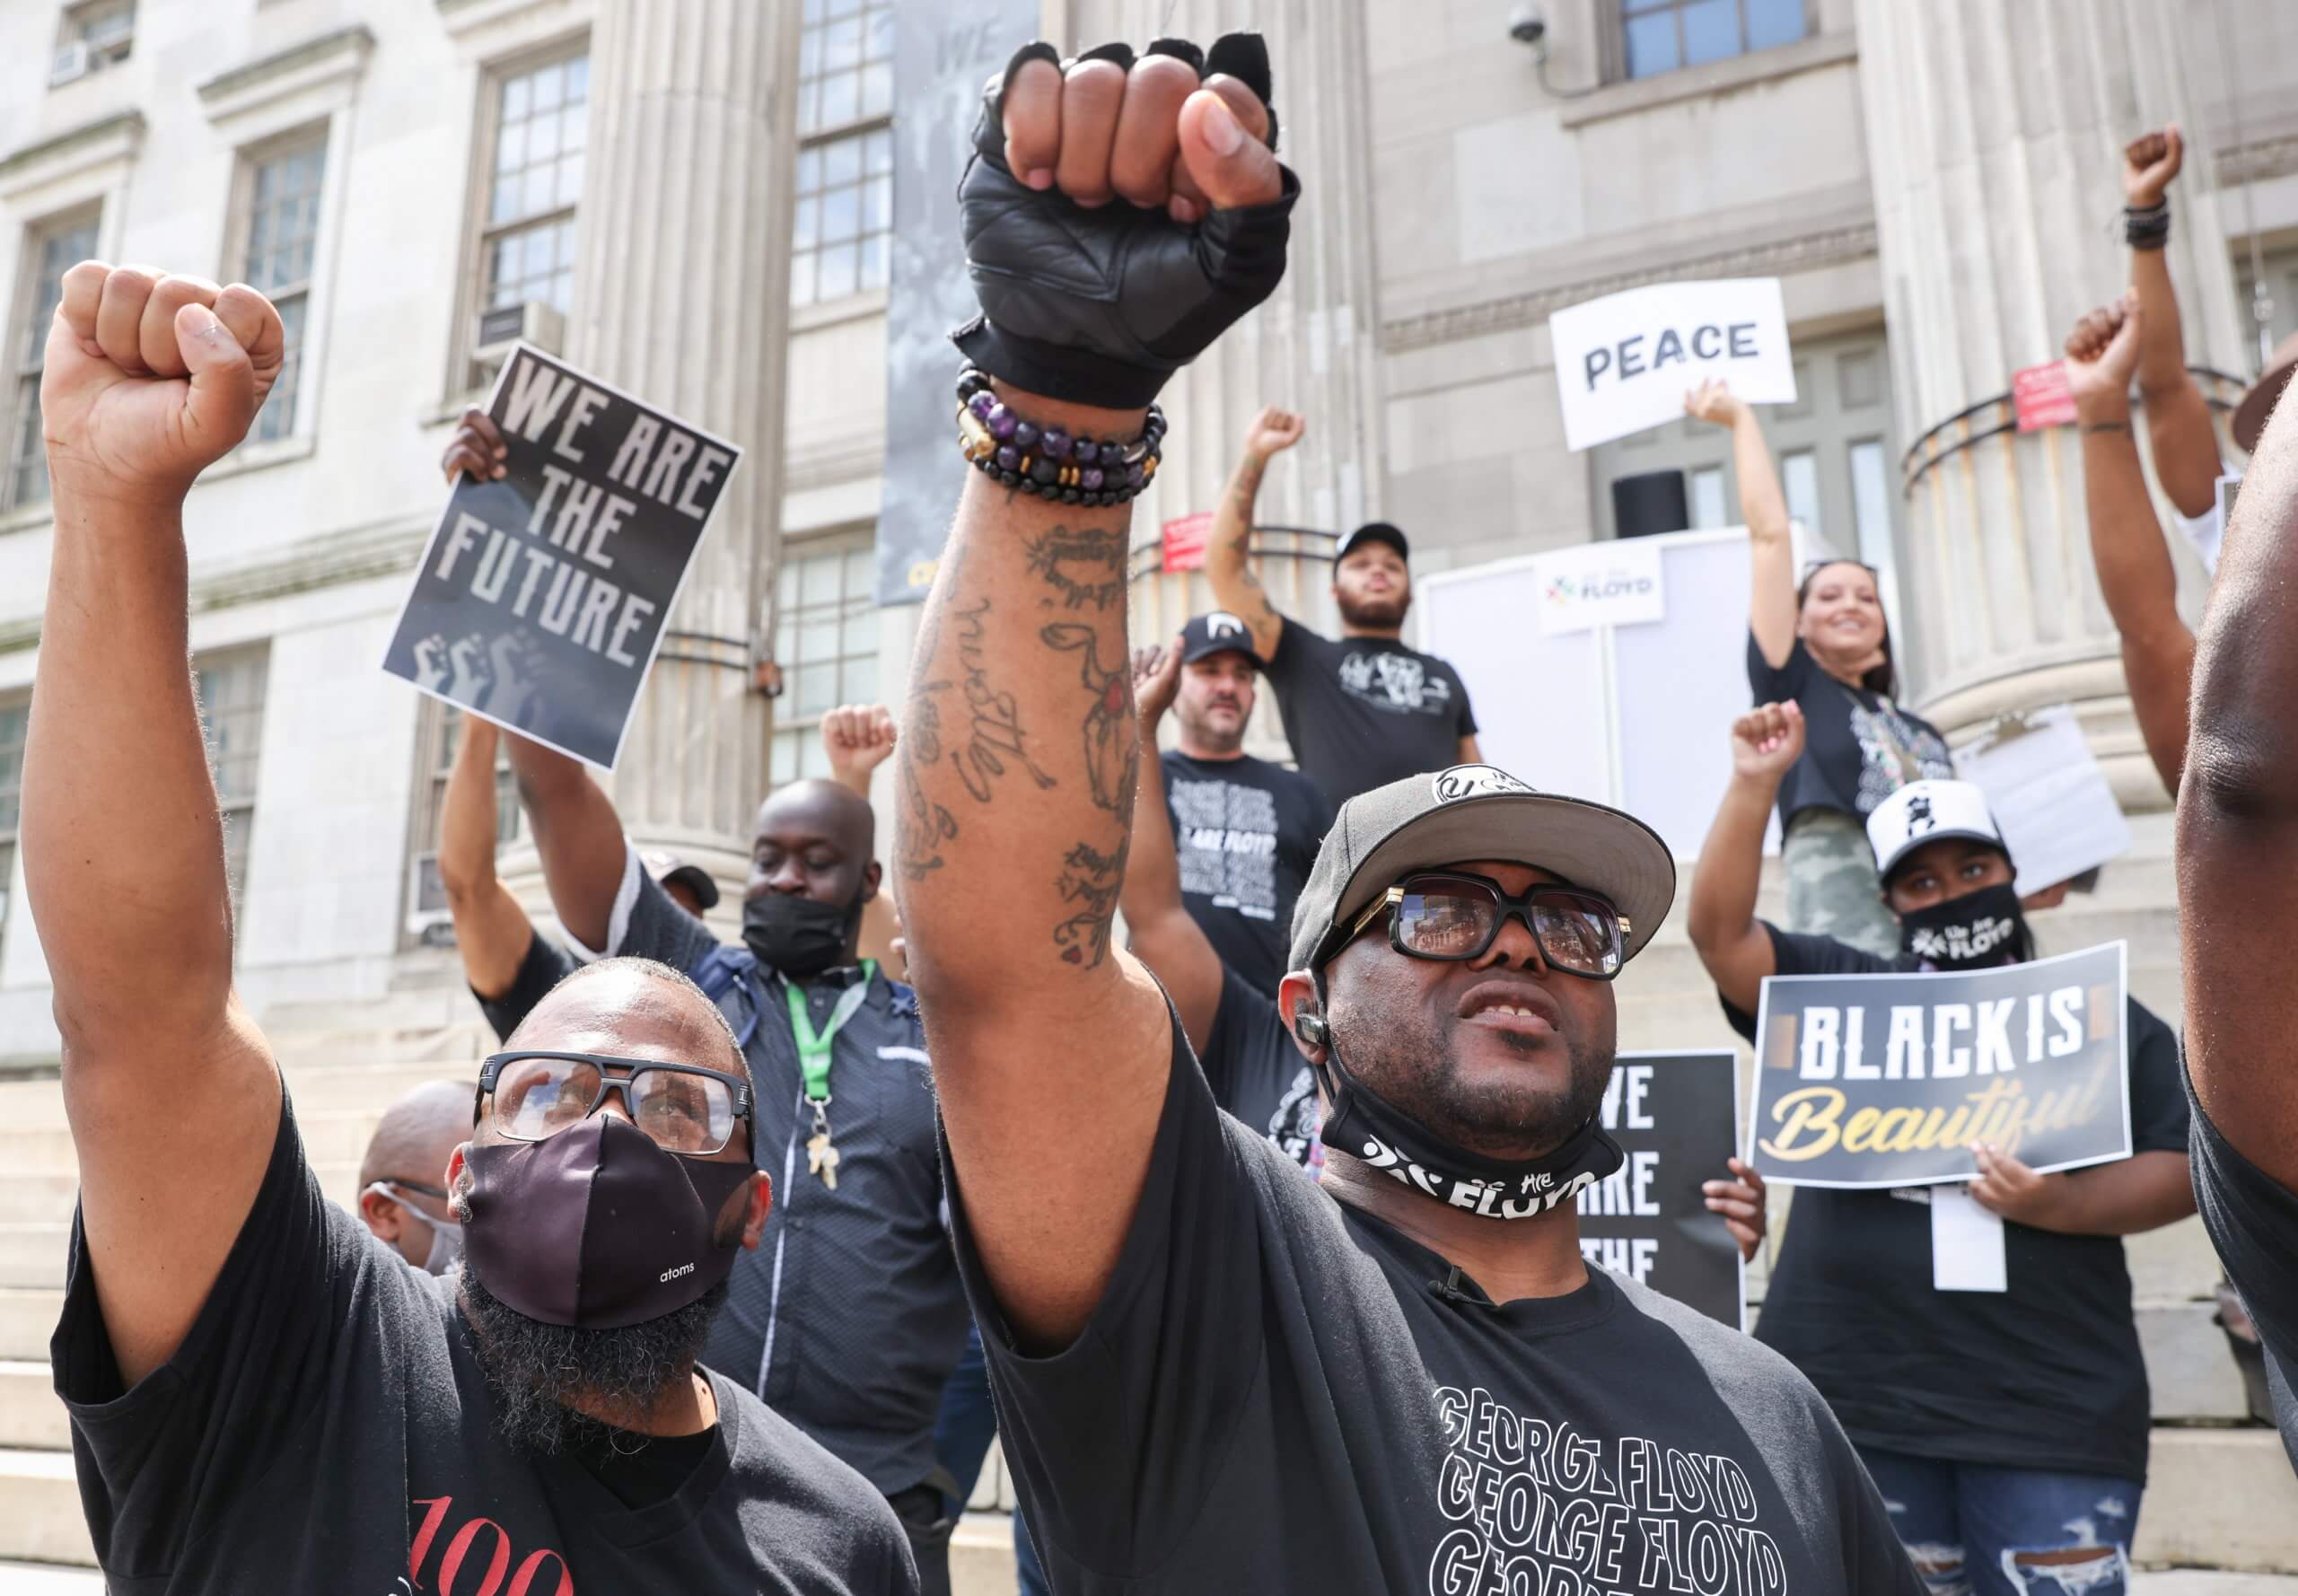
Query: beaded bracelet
point(1047, 460)
point(2148, 228)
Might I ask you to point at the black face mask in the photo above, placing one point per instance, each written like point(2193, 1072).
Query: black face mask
point(1980, 930)
point(800, 936)
point(1364, 1125)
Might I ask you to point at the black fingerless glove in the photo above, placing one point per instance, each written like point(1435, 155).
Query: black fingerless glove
point(1099, 305)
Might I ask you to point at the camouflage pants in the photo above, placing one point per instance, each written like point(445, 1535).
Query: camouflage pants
point(1832, 887)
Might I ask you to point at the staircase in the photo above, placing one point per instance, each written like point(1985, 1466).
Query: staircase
point(2222, 1496)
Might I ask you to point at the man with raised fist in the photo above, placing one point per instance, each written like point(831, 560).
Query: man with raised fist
point(262, 1399)
point(1213, 1374)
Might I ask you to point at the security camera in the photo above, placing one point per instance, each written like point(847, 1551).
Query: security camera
point(1526, 25)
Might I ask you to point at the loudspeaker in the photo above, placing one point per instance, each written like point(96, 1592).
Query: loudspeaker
point(1650, 503)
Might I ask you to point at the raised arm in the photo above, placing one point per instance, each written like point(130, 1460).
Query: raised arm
point(1730, 940)
point(1235, 588)
point(1019, 755)
point(2238, 820)
point(146, 382)
point(2134, 563)
point(1159, 928)
point(578, 834)
point(858, 738)
point(1771, 548)
point(491, 930)
point(2178, 418)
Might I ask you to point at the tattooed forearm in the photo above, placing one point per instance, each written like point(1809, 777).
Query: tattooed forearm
point(922, 825)
point(1090, 879)
point(1111, 746)
point(995, 735)
point(1084, 565)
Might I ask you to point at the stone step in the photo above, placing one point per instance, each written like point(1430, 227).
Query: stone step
point(49, 1199)
point(28, 1317)
point(330, 1136)
point(30, 1413)
point(317, 1089)
point(2190, 1372)
point(40, 1517)
point(2223, 1499)
point(32, 1255)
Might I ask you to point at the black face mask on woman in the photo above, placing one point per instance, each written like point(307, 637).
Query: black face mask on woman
point(1977, 930)
point(799, 936)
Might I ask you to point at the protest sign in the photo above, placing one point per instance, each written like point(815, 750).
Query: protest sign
point(1887, 1080)
point(1625, 361)
point(2058, 815)
point(542, 595)
point(942, 55)
point(2040, 397)
point(1183, 541)
point(1615, 582)
point(1675, 1116)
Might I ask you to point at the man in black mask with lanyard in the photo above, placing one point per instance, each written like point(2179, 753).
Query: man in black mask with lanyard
point(1212, 1373)
point(849, 1316)
point(2006, 1428)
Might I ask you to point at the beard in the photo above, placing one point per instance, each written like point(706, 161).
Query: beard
point(1511, 1117)
point(536, 1371)
point(1383, 613)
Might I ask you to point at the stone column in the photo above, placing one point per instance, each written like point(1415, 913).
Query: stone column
point(680, 298)
point(1309, 348)
point(1996, 134)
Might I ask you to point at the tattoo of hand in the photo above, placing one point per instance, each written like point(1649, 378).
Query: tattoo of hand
point(1109, 728)
point(1084, 565)
point(1091, 879)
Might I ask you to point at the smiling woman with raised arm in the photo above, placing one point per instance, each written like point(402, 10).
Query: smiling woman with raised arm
point(1212, 1373)
point(1823, 643)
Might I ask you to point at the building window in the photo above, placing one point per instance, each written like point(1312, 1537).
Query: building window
point(14, 718)
point(96, 34)
point(1658, 36)
point(528, 238)
point(826, 641)
point(283, 227)
point(50, 248)
point(441, 744)
point(845, 63)
point(231, 689)
point(845, 217)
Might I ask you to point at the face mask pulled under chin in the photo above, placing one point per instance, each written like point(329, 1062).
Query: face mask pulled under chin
point(799, 936)
point(1980, 930)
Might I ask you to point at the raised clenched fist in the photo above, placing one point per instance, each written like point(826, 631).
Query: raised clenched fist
point(1767, 739)
point(857, 737)
point(1156, 678)
point(2149, 162)
point(1119, 213)
point(1273, 431)
point(1713, 401)
point(2102, 357)
point(149, 379)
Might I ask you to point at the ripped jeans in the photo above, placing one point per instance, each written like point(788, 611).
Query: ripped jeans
point(1976, 1531)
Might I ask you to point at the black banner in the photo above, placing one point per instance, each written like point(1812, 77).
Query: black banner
point(943, 55)
point(1887, 1080)
point(1676, 1116)
point(542, 595)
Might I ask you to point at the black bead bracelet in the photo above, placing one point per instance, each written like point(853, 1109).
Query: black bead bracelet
point(1048, 461)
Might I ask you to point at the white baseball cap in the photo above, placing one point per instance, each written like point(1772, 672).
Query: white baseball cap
point(1928, 811)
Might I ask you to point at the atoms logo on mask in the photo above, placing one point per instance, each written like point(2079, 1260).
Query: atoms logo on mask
point(670, 1275)
point(1476, 781)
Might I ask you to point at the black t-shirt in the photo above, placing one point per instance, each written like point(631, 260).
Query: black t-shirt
point(1258, 1075)
point(325, 1428)
point(2045, 1374)
point(1272, 1396)
point(1859, 747)
point(544, 966)
point(1362, 712)
point(1247, 833)
point(2253, 1222)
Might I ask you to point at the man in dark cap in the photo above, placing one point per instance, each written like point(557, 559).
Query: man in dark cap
point(1212, 1373)
point(1246, 830)
point(262, 1399)
point(1363, 709)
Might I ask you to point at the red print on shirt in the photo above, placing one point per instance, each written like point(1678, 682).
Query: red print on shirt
point(475, 1560)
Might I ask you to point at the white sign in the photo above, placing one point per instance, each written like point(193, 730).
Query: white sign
point(1625, 361)
point(1615, 583)
point(2058, 815)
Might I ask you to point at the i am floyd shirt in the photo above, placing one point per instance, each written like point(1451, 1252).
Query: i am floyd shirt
point(1245, 832)
point(2046, 1375)
point(325, 1426)
point(1859, 747)
point(1273, 1396)
point(1362, 712)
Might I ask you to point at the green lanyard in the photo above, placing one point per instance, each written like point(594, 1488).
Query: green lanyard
point(814, 1050)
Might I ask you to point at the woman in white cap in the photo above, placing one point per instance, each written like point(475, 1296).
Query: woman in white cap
point(1823, 643)
point(2007, 1431)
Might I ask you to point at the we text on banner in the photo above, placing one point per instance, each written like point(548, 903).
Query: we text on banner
point(1887, 1080)
point(1675, 1116)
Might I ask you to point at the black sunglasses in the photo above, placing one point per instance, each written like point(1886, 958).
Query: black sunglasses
point(683, 1107)
point(1451, 917)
